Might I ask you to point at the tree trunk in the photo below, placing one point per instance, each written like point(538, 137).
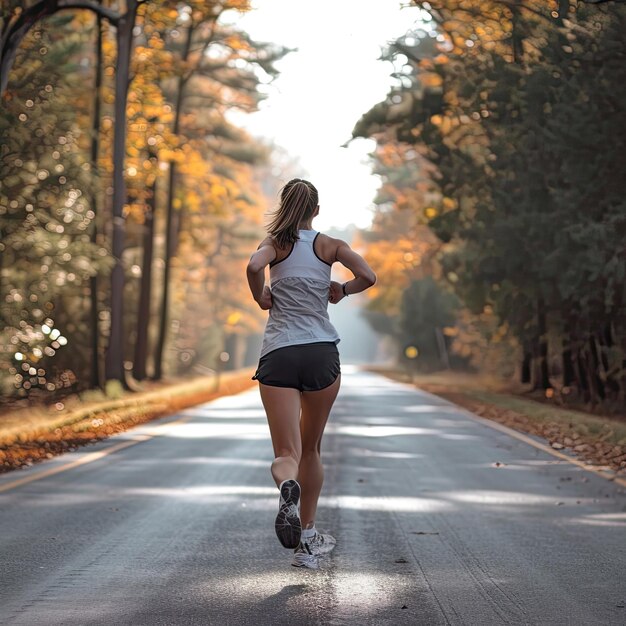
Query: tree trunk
point(165, 294)
point(581, 375)
point(594, 370)
point(543, 343)
point(606, 343)
point(114, 365)
point(145, 295)
point(525, 376)
point(569, 375)
point(540, 377)
point(517, 37)
point(441, 345)
point(563, 11)
point(568, 365)
point(95, 369)
point(171, 225)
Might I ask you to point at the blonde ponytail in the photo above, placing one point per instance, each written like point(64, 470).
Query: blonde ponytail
point(298, 201)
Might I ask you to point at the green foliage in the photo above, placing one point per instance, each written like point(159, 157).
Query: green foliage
point(425, 310)
point(189, 68)
point(47, 257)
point(527, 144)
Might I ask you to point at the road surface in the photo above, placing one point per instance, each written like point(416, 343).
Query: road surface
point(439, 519)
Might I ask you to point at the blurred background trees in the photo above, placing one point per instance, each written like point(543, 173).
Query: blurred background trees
point(504, 137)
point(130, 201)
point(192, 206)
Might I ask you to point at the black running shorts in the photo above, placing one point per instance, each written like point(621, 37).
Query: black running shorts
point(306, 367)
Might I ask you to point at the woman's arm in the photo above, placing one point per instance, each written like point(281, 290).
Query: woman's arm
point(255, 272)
point(364, 276)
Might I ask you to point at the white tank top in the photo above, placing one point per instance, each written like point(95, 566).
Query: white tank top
point(300, 286)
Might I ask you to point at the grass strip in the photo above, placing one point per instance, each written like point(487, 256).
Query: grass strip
point(27, 437)
point(604, 428)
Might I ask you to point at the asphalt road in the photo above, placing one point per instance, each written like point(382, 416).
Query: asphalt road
point(439, 519)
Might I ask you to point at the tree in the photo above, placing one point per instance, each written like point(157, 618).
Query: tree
point(46, 254)
point(425, 312)
point(14, 30)
point(215, 68)
point(216, 191)
point(513, 111)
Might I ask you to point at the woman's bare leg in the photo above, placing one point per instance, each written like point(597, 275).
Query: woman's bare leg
point(316, 406)
point(282, 406)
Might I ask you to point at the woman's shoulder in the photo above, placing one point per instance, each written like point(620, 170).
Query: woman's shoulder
point(327, 246)
point(268, 241)
point(281, 253)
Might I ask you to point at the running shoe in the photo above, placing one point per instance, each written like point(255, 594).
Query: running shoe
point(321, 544)
point(287, 525)
point(303, 556)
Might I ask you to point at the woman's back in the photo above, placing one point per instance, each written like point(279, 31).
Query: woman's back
point(300, 283)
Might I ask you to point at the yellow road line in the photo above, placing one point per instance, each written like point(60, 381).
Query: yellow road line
point(93, 456)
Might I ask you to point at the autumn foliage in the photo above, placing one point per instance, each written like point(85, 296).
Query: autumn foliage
point(503, 137)
point(192, 207)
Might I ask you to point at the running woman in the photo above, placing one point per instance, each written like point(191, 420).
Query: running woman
point(299, 371)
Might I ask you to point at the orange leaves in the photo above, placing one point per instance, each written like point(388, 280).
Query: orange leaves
point(235, 42)
point(449, 204)
point(239, 5)
point(471, 25)
point(431, 80)
point(397, 261)
point(168, 154)
point(444, 122)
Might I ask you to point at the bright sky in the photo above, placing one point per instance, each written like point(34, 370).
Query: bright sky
point(324, 88)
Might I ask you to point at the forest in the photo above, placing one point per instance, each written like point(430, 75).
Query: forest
point(500, 230)
point(130, 202)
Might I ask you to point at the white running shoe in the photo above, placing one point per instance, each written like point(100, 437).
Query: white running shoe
point(310, 551)
point(321, 544)
point(304, 557)
point(288, 527)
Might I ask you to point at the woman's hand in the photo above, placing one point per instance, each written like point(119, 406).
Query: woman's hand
point(336, 292)
point(265, 301)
